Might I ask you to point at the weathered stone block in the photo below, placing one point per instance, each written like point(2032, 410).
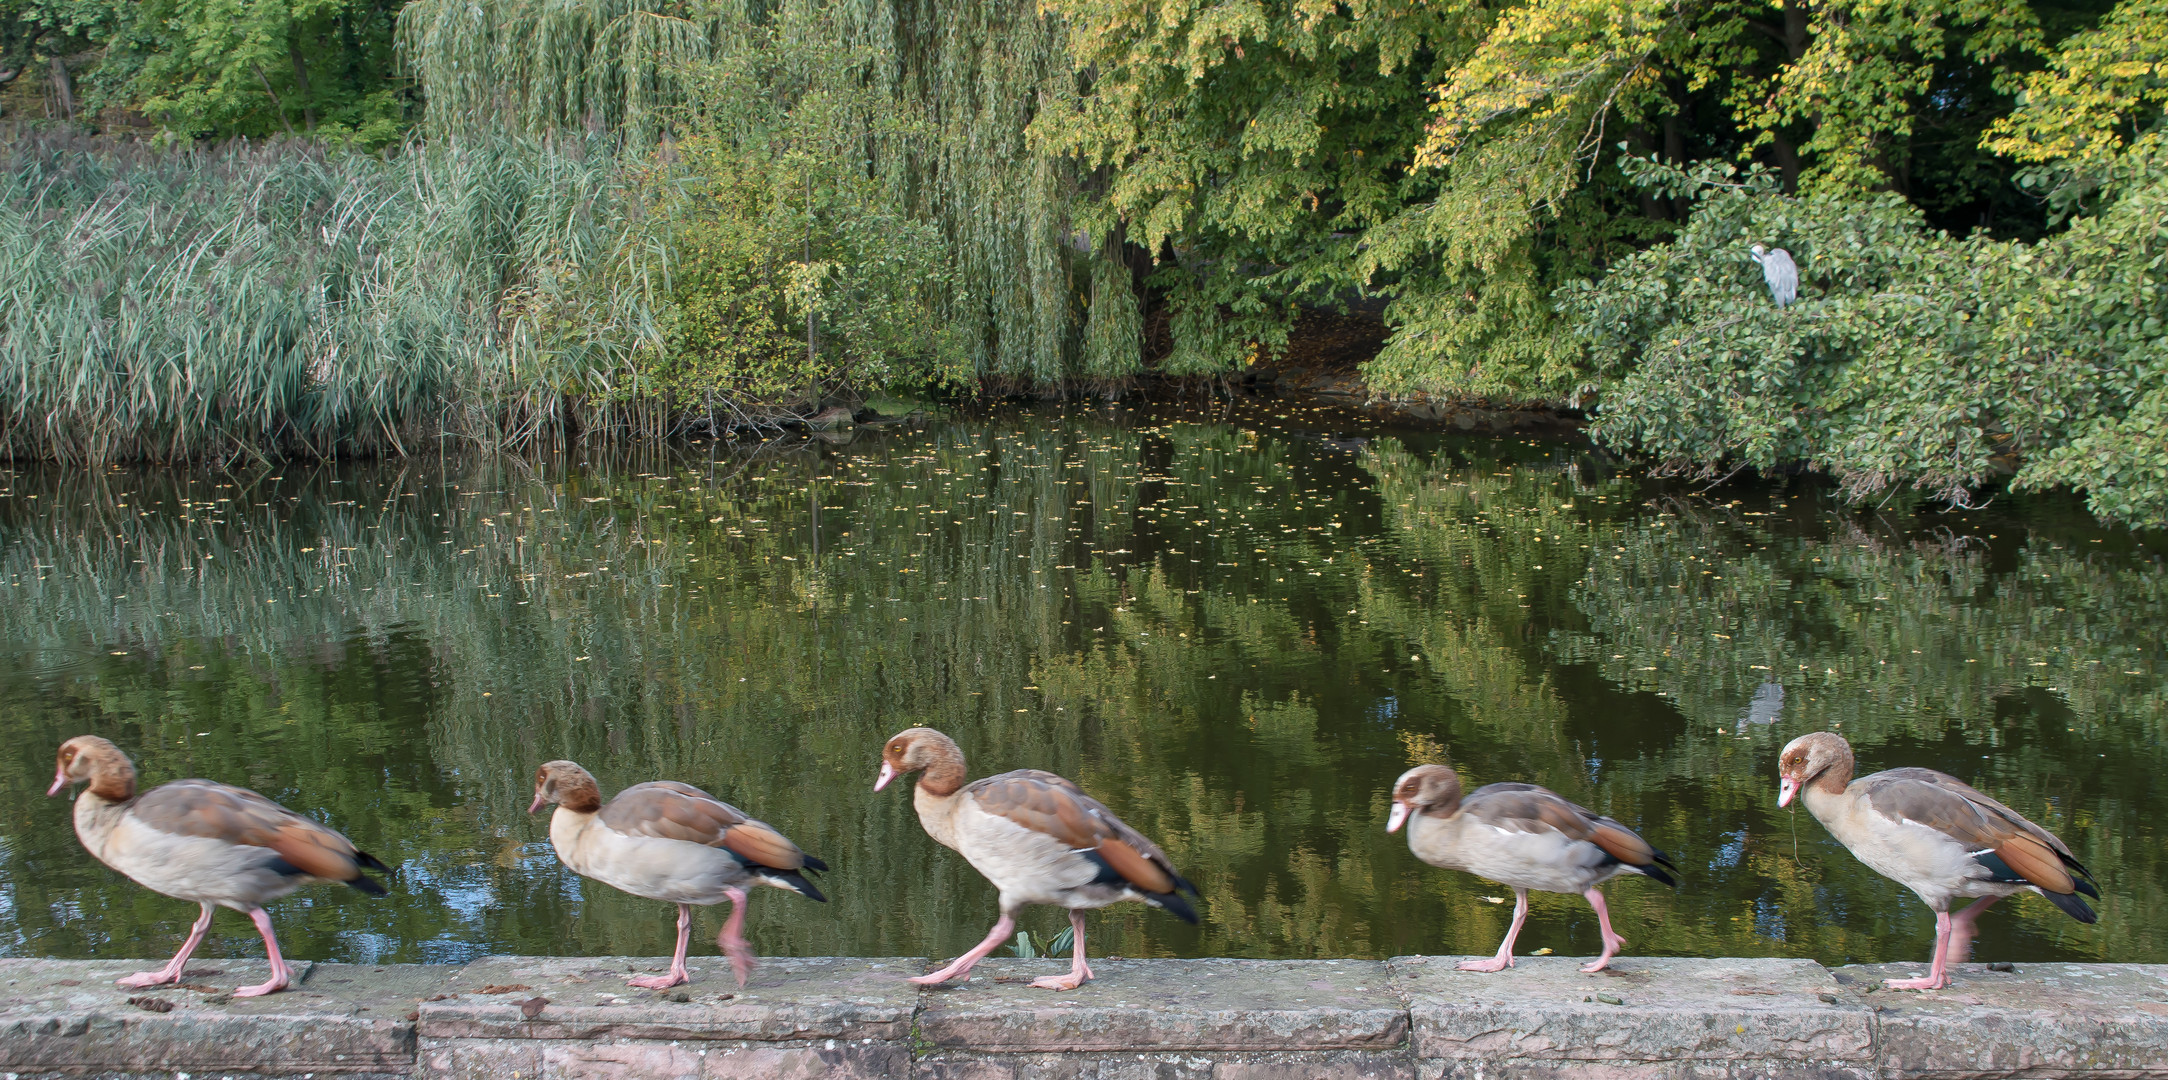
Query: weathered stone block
point(1688, 1019)
point(629, 1059)
point(1516, 1069)
point(2049, 1019)
point(563, 1018)
point(1171, 1065)
point(67, 1016)
point(586, 998)
point(1190, 1005)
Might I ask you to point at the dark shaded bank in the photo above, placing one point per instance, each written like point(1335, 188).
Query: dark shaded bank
point(1322, 365)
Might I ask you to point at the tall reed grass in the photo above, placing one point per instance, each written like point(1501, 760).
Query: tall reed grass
point(284, 298)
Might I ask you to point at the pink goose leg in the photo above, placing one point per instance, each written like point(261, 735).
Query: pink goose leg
point(732, 939)
point(677, 974)
point(1504, 959)
point(961, 969)
point(1939, 975)
point(1078, 969)
point(172, 971)
point(1611, 942)
point(280, 973)
point(1962, 926)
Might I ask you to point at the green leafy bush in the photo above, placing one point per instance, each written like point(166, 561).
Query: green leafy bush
point(1910, 360)
point(793, 274)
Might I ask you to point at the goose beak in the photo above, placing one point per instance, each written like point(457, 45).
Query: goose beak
point(537, 804)
point(60, 783)
point(1786, 788)
point(888, 773)
point(1399, 816)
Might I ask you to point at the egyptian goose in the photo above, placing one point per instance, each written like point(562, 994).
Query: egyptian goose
point(1525, 837)
point(670, 841)
point(1038, 838)
point(1932, 833)
point(210, 843)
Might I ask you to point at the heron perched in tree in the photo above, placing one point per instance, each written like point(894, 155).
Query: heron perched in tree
point(1782, 274)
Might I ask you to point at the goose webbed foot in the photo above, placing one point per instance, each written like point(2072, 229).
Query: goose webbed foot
point(677, 973)
point(1080, 972)
point(281, 975)
point(142, 979)
point(1612, 943)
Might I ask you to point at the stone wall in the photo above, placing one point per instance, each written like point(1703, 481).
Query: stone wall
point(528, 1018)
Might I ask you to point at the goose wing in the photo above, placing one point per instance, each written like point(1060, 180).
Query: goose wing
point(1528, 808)
point(235, 815)
point(674, 811)
point(1051, 805)
point(2011, 847)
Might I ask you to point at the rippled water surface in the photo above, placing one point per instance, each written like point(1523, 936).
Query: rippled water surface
point(1235, 628)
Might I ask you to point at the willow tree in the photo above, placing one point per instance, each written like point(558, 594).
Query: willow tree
point(795, 278)
point(544, 66)
point(971, 76)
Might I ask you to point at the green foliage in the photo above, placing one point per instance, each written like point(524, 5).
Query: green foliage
point(2098, 312)
point(968, 78)
point(215, 68)
point(1910, 359)
point(793, 274)
point(42, 46)
point(1246, 150)
point(2104, 92)
point(1276, 154)
point(1707, 373)
point(1914, 358)
point(1025, 947)
point(541, 66)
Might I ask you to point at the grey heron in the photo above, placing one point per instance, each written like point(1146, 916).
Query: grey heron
point(1782, 274)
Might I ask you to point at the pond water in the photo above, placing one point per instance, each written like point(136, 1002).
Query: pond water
point(1234, 625)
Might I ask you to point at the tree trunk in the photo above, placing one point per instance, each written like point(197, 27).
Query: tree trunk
point(1653, 208)
point(276, 104)
point(1795, 29)
point(63, 89)
point(301, 85)
point(1787, 156)
point(1675, 153)
point(1796, 41)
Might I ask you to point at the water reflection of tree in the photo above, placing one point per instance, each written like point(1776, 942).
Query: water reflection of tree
point(2035, 680)
point(1236, 641)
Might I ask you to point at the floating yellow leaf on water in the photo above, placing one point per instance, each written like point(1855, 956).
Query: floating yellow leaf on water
point(1494, 899)
point(1541, 952)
